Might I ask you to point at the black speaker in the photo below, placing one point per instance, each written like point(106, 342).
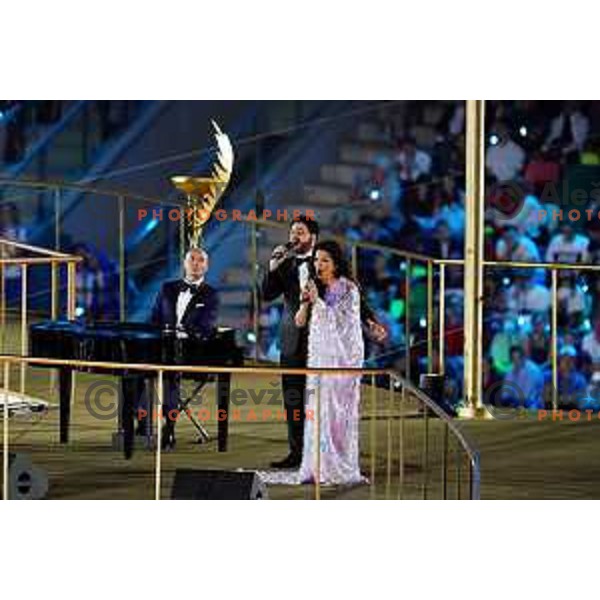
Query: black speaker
point(195, 484)
point(434, 385)
point(25, 481)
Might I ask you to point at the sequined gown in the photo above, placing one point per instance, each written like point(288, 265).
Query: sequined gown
point(335, 340)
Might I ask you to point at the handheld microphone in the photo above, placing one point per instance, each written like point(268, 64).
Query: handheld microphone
point(279, 255)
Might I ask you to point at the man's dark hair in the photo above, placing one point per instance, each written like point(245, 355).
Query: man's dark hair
point(518, 349)
point(311, 224)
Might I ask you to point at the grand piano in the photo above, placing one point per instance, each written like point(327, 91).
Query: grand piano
point(139, 343)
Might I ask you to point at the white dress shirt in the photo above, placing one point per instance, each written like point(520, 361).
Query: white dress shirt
point(184, 299)
point(303, 272)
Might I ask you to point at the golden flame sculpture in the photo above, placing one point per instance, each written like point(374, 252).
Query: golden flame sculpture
point(203, 193)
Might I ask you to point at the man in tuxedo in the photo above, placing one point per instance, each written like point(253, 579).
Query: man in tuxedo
point(289, 270)
point(189, 307)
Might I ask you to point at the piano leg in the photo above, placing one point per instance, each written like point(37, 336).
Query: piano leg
point(132, 390)
point(65, 376)
point(223, 389)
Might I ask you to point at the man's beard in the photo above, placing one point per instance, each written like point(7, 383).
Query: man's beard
point(303, 248)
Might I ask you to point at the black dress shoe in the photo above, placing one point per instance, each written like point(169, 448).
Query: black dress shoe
point(168, 442)
point(289, 462)
point(168, 438)
point(142, 429)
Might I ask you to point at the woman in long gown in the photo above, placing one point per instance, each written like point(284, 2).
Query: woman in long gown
point(331, 307)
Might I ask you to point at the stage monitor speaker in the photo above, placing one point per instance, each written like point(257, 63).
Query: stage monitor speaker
point(434, 385)
point(196, 484)
point(25, 481)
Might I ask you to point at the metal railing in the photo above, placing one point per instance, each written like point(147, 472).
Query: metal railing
point(401, 404)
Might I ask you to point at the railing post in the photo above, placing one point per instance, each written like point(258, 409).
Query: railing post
point(430, 366)
point(255, 298)
point(23, 325)
point(57, 207)
point(159, 399)
point(401, 443)
point(554, 339)
point(71, 291)
point(2, 302)
point(473, 274)
point(122, 272)
point(5, 456)
point(445, 464)
point(425, 450)
point(318, 438)
point(388, 481)
point(373, 436)
point(407, 319)
point(442, 321)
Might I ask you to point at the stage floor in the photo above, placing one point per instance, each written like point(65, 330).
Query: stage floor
point(519, 458)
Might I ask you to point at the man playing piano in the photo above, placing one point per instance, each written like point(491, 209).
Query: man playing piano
point(188, 307)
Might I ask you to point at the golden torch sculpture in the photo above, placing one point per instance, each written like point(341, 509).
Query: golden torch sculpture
point(203, 193)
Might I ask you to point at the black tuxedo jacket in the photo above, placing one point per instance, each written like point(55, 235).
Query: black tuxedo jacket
point(201, 314)
point(285, 280)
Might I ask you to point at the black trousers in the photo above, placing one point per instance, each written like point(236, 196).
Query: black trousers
point(294, 388)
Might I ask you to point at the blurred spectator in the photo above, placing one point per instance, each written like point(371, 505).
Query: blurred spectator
point(571, 299)
point(524, 382)
point(569, 130)
point(441, 244)
point(97, 286)
point(411, 162)
point(572, 385)
point(568, 246)
point(501, 345)
point(517, 247)
point(525, 296)
point(591, 345)
point(505, 158)
point(11, 229)
point(538, 342)
point(541, 170)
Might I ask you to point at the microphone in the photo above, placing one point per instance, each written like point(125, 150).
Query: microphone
point(279, 255)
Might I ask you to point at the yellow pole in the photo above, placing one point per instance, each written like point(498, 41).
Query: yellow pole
point(182, 236)
point(23, 325)
point(388, 482)
point(3, 309)
point(255, 300)
point(430, 316)
point(57, 219)
point(160, 399)
point(442, 321)
point(54, 292)
point(554, 339)
point(5, 433)
point(354, 259)
point(407, 319)
point(71, 291)
point(473, 274)
point(318, 439)
point(122, 274)
point(373, 435)
point(401, 441)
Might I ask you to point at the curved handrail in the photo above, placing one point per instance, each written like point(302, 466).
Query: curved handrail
point(74, 187)
point(466, 445)
point(462, 438)
point(38, 249)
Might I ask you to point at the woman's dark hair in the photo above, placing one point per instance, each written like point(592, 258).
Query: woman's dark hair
point(340, 263)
